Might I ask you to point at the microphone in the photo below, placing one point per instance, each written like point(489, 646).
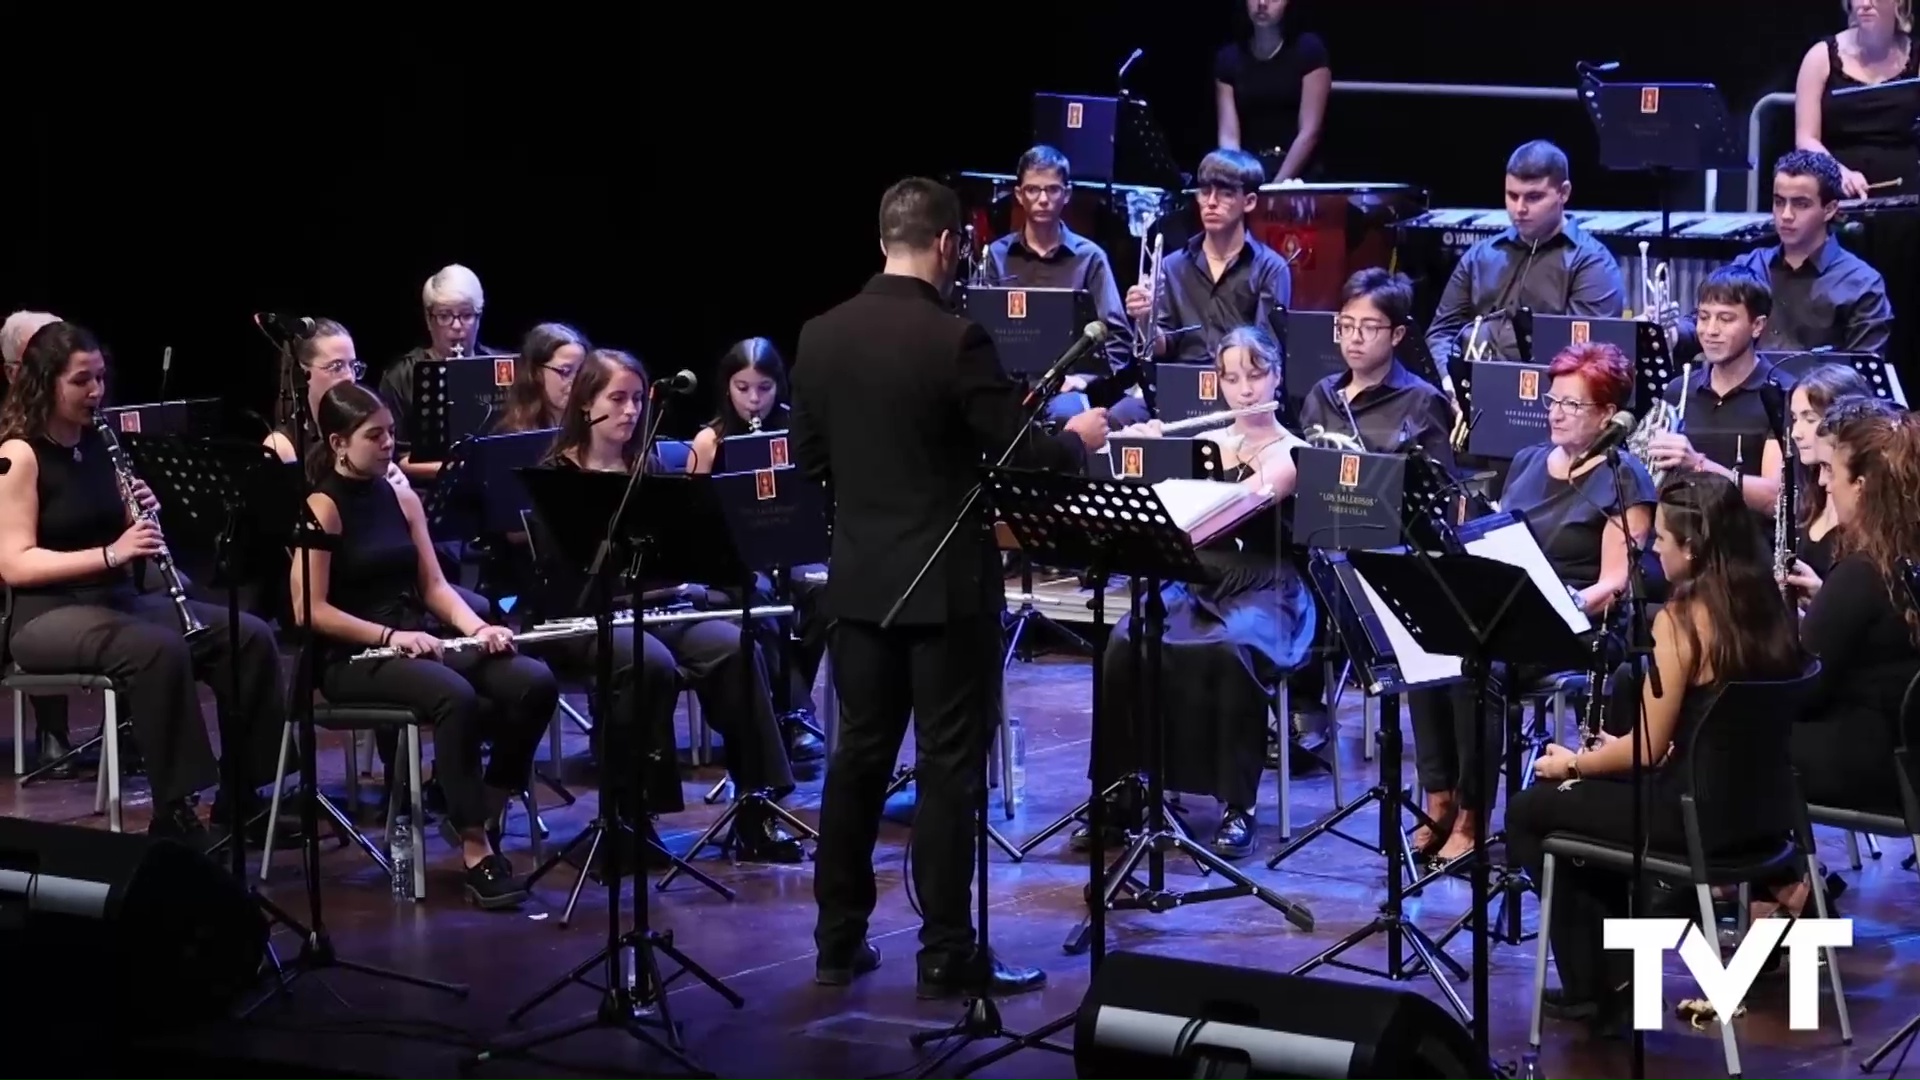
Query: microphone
point(1121, 75)
point(292, 327)
point(1090, 337)
point(680, 382)
point(1619, 427)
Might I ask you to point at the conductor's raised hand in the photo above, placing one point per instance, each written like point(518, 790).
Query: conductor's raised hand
point(495, 639)
point(1091, 427)
point(142, 540)
point(416, 643)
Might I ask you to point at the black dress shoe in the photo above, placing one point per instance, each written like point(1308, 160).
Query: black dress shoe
point(492, 885)
point(840, 970)
point(1555, 1005)
point(763, 838)
point(53, 747)
point(1235, 838)
point(802, 744)
point(179, 820)
point(980, 974)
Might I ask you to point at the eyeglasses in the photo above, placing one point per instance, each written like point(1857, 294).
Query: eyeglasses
point(1572, 406)
point(1221, 191)
point(449, 318)
point(565, 371)
point(1034, 191)
point(339, 366)
point(1360, 331)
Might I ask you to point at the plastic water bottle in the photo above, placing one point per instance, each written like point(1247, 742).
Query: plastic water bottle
point(1529, 1067)
point(400, 855)
point(1017, 753)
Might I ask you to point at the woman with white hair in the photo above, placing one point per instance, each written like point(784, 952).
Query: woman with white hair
point(49, 713)
point(452, 302)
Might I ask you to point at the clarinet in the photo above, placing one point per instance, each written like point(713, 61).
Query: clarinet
point(190, 624)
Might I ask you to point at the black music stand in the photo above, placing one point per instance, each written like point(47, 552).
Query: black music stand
point(1482, 611)
point(697, 540)
point(1663, 129)
point(1110, 527)
point(1336, 584)
point(593, 518)
point(249, 504)
point(453, 399)
point(580, 495)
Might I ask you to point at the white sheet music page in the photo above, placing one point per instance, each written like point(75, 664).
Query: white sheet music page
point(1514, 545)
point(1191, 502)
point(1417, 666)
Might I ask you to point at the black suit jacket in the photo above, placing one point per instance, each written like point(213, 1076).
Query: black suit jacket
point(896, 405)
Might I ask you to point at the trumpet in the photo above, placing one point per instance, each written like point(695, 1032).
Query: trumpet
point(1150, 272)
point(1660, 418)
point(1656, 295)
point(190, 625)
point(1196, 423)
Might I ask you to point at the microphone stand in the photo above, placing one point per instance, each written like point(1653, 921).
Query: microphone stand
point(1639, 652)
point(981, 1018)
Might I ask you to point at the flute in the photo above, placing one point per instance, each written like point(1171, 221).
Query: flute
point(557, 632)
point(665, 617)
point(1193, 423)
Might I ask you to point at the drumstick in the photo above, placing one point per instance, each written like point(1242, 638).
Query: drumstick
point(1895, 182)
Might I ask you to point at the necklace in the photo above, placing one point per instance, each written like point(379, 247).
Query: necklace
point(1271, 53)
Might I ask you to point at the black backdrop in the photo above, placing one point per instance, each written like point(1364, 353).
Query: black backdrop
point(671, 182)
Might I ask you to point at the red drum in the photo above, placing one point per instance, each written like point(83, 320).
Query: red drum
point(1328, 231)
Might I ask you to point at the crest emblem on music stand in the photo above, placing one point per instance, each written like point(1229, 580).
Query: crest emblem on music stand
point(1017, 304)
point(1649, 100)
point(503, 372)
point(1349, 470)
point(777, 452)
point(130, 421)
point(763, 485)
point(1076, 115)
point(1209, 386)
point(1580, 332)
point(1529, 386)
point(1133, 462)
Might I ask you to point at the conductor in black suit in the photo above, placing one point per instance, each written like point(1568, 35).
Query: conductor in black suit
point(896, 402)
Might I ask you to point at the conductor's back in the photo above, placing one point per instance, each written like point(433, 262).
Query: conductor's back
point(896, 405)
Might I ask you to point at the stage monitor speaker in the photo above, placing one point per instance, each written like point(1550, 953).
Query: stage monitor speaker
point(119, 933)
point(1156, 1017)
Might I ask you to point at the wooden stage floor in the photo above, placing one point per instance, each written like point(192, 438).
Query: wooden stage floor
point(762, 945)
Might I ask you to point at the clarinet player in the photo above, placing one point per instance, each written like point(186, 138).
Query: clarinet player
point(67, 537)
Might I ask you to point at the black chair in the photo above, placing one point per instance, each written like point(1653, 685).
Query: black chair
point(1737, 784)
point(1878, 822)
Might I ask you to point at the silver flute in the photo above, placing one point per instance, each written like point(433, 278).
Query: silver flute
point(557, 632)
point(664, 617)
point(190, 625)
point(1195, 423)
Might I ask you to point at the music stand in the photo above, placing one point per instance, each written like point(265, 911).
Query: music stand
point(1662, 129)
point(453, 399)
point(1110, 527)
point(1480, 610)
point(240, 496)
point(592, 518)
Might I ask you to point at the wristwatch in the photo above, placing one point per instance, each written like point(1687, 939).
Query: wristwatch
point(113, 561)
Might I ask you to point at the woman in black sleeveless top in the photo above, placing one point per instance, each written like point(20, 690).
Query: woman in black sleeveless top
point(1871, 135)
point(379, 588)
point(752, 377)
point(65, 546)
point(613, 386)
point(1723, 622)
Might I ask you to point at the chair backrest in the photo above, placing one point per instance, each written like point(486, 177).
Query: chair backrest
point(673, 454)
point(1739, 768)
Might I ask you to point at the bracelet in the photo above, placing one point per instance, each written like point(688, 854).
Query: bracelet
point(106, 556)
point(386, 636)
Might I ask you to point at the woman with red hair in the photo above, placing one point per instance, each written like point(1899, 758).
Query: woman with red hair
point(1573, 508)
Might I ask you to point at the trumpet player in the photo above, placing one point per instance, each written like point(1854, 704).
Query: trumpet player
point(67, 537)
point(1377, 401)
point(1823, 295)
point(1724, 406)
point(375, 589)
point(1223, 278)
point(1544, 262)
point(1045, 254)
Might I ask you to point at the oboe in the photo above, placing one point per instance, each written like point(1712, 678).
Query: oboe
point(190, 625)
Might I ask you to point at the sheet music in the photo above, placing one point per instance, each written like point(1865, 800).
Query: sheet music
point(1191, 502)
point(1417, 666)
point(1514, 545)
